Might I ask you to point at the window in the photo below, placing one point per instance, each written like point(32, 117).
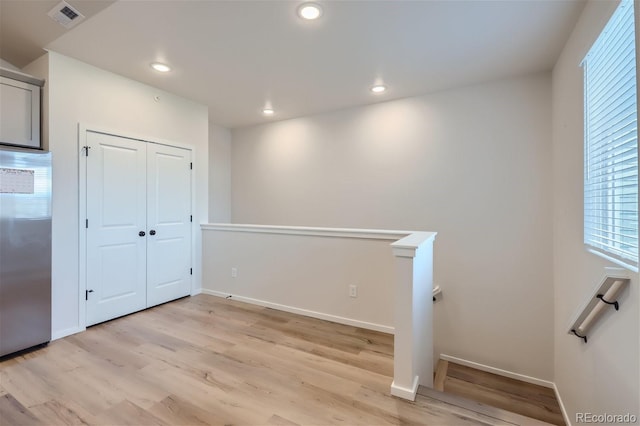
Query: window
point(611, 141)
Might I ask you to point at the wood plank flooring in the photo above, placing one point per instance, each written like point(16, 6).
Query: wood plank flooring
point(490, 389)
point(204, 360)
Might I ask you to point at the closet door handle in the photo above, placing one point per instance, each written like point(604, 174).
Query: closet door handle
point(152, 232)
point(141, 233)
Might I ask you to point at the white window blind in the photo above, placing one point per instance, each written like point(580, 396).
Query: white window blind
point(611, 140)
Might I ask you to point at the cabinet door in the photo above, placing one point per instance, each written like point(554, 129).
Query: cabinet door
point(169, 223)
point(116, 213)
point(19, 113)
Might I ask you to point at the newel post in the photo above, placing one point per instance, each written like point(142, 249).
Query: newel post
point(413, 342)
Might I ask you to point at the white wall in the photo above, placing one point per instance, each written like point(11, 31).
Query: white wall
point(602, 375)
point(80, 93)
point(219, 174)
point(305, 274)
point(473, 164)
point(8, 65)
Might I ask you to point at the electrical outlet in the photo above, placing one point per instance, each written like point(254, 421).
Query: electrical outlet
point(234, 272)
point(353, 291)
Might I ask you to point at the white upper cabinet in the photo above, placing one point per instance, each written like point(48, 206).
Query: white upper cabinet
point(19, 109)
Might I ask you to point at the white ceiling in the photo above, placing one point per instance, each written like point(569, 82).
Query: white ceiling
point(236, 56)
point(25, 27)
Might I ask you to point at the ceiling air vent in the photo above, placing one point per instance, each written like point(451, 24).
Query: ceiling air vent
point(65, 14)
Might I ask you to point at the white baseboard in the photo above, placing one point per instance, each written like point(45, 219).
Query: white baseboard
point(196, 291)
point(498, 371)
point(305, 312)
point(565, 416)
point(55, 335)
point(404, 393)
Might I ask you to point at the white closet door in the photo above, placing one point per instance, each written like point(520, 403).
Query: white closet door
point(169, 223)
point(116, 214)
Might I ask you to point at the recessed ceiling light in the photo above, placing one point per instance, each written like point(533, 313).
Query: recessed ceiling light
point(160, 67)
point(378, 88)
point(268, 111)
point(309, 11)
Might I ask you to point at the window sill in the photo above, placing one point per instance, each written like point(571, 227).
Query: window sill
point(633, 268)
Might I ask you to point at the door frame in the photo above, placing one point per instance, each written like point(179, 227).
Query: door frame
point(83, 128)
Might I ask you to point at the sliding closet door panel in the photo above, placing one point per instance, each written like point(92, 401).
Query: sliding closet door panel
point(116, 214)
point(169, 223)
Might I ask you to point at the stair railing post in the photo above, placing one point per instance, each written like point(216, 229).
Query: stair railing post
point(413, 318)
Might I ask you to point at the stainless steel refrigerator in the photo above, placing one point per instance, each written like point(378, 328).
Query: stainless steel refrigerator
point(25, 249)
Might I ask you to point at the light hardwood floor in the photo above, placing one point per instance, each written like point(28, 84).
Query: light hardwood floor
point(524, 398)
point(206, 360)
